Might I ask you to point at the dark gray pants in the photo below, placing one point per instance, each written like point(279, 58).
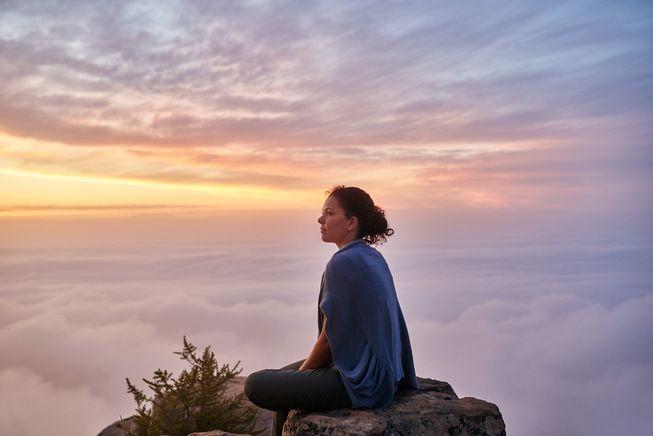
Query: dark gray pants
point(288, 388)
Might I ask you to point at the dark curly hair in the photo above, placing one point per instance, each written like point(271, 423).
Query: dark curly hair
point(372, 224)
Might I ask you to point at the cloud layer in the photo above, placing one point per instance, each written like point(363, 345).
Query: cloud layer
point(553, 327)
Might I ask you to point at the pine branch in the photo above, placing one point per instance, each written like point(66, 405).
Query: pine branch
point(194, 401)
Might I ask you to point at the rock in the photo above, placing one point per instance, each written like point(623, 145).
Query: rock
point(433, 410)
point(215, 433)
point(119, 428)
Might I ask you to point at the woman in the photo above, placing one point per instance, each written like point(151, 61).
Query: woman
point(362, 355)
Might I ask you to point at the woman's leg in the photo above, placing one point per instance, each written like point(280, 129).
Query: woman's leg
point(288, 388)
point(279, 416)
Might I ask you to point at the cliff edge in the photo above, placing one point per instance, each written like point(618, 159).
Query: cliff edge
point(433, 410)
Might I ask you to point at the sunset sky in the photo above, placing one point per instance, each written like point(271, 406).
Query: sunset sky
point(264, 105)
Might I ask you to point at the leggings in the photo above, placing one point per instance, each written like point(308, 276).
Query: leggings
point(288, 388)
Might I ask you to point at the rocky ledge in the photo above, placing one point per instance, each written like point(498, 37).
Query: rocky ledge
point(433, 410)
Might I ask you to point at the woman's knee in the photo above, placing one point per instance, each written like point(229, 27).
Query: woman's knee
point(254, 385)
point(251, 385)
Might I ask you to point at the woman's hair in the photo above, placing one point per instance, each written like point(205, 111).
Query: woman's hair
point(372, 224)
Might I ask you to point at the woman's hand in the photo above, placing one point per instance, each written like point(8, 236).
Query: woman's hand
point(320, 355)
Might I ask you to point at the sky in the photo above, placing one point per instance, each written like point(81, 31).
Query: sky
point(264, 105)
point(163, 165)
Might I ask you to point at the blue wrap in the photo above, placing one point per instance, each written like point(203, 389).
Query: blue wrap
point(365, 326)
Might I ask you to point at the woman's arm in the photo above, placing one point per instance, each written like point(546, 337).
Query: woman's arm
point(321, 354)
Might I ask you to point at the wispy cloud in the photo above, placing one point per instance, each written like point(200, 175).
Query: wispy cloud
point(269, 94)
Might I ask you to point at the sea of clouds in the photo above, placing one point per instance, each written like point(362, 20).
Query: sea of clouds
point(553, 324)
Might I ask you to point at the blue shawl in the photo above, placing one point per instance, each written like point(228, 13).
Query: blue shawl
point(365, 326)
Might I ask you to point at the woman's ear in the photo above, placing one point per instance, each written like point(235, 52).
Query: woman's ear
point(353, 223)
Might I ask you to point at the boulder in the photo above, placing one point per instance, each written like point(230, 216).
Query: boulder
point(433, 410)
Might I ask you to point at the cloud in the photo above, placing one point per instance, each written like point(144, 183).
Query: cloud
point(65, 411)
point(338, 75)
point(557, 355)
point(532, 322)
point(535, 359)
point(461, 107)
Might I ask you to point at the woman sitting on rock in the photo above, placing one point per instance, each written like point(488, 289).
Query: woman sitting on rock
point(362, 355)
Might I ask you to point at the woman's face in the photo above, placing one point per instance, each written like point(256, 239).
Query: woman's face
point(334, 225)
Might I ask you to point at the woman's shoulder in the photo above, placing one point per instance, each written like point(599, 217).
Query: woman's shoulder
point(362, 256)
point(346, 259)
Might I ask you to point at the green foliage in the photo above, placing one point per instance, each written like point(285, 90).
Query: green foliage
point(193, 402)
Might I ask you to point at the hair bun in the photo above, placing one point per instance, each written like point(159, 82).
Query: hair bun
point(372, 223)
